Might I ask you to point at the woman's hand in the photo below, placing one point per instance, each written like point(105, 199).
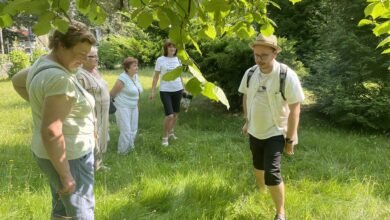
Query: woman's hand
point(289, 148)
point(152, 95)
point(68, 185)
point(245, 129)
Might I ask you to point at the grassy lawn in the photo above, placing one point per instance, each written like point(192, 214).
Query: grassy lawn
point(207, 172)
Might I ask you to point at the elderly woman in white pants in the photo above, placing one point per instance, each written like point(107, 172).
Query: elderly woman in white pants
point(126, 93)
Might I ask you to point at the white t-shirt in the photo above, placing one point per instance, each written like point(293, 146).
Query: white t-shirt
point(267, 112)
point(164, 65)
point(129, 95)
point(78, 126)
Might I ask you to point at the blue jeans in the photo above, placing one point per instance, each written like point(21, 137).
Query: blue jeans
point(81, 203)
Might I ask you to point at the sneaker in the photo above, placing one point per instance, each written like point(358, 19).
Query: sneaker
point(165, 142)
point(280, 217)
point(173, 136)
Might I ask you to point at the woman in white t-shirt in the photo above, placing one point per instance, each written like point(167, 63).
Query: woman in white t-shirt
point(170, 91)
point(126, 93)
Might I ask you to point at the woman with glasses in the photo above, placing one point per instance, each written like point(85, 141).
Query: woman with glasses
point(89, 77)
point(63, 123)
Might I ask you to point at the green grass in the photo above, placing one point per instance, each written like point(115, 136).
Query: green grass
point(207, 172)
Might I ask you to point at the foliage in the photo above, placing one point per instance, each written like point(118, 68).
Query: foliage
point(348, 75)
point(377, 13)
point(225, 61)
point(114, 49)
point(37, 52)
point(19, 60)
point(187, 22)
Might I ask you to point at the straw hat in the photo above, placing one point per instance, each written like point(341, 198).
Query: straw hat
point(270, 41)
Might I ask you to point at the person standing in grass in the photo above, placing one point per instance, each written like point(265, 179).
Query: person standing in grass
point(89, 77)
point(126, 93)
point(63, 123)
point(271, 116)
point(170, 91)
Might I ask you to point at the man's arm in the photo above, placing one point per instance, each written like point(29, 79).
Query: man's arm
point(55, 109)
point(292, 126)
point(19, 83)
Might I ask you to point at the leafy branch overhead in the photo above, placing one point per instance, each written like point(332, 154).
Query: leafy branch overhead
point(187, 22)
point(377, 13)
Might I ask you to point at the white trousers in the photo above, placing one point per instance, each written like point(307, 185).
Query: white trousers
point(127, 120)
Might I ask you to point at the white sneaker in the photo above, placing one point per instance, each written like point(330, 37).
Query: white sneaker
point(165, 142)
point(173, 136)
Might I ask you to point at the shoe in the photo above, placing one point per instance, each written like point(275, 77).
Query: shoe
point(164, 142)
point(172, 136)
point(280, 217)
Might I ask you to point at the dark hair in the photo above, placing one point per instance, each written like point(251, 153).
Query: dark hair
point(127, 62)
point(76, 33)
point(167, 44)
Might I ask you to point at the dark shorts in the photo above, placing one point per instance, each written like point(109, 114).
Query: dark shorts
point(267, 154)
point(171, 101)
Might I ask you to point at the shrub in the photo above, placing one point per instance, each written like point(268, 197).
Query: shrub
point(114, 49)
point(37, 52)
point(19, 60)
point(225, 61)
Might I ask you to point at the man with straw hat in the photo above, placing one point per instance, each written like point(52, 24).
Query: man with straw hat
point(272, 94)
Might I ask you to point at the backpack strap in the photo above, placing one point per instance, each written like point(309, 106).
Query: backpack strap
point(42, 69)
point(250, 73)
point(282, 77)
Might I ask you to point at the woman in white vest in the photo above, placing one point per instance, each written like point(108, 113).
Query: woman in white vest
point(126, 93)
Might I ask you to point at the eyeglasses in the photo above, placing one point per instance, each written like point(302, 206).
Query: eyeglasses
point(92, 57)
point(262, 56)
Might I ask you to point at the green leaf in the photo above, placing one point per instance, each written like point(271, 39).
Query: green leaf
point(64, 5)
point(183, 56)
point(144, 19)
point(383, 28)
point(196, 46)
point(174, 34)
point(135, 3)
point(295, 1)
point(267, 29)
point(386, 51)
point(172, 75)
point(164, 21)
point(5, 21)
point(209, 90)
point(365, 22)
point(222, 97)
point(42, 27)
point(194, 86)
point(83, 6)
point(196, 72)
point(384, 42)
point(209, 31)
point(61, 25)
point(375, 9)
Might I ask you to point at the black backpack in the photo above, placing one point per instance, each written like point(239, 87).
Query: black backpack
point(282, 78)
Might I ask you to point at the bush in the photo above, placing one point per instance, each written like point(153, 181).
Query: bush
point(19, 60)
point(4, 66)
point(37, 52)
point(114, 49)
point(225, 61)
